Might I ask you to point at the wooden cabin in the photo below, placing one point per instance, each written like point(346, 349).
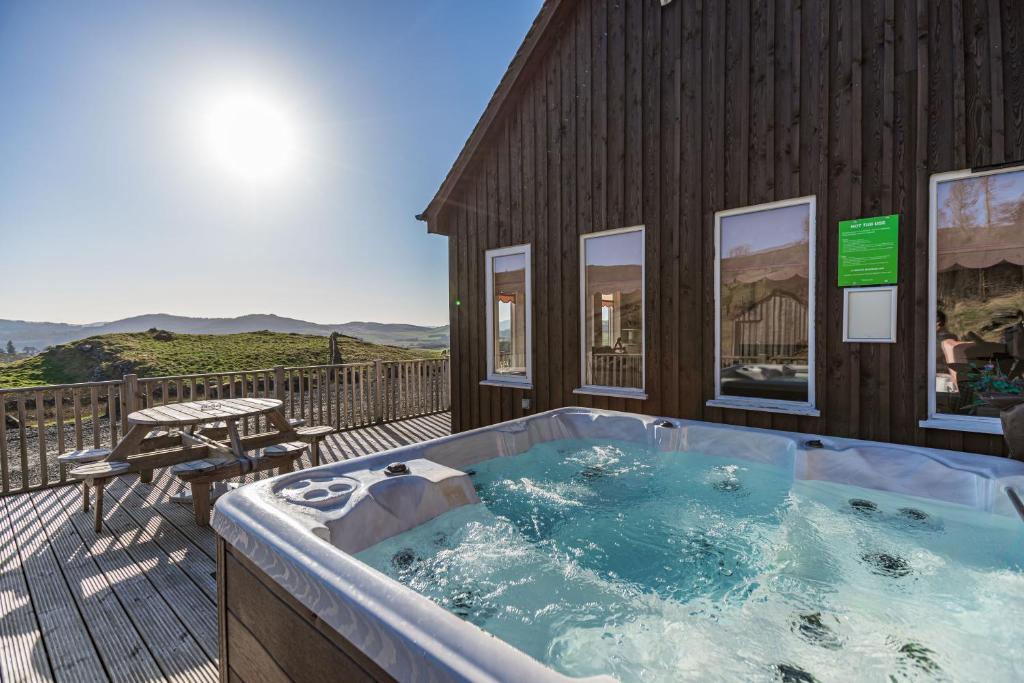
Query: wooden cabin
point(670, 175)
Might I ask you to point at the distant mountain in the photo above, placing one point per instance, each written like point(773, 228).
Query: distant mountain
point(43, 334)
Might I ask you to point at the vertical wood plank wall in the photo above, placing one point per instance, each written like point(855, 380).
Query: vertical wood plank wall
point(636, 114)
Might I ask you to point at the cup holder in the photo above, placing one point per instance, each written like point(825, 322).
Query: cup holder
point(318, 491)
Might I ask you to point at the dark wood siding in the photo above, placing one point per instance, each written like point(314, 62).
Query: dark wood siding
point(630, 113)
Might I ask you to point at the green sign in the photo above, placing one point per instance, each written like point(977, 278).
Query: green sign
point(869, 251)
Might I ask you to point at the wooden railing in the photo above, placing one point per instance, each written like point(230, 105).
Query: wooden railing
point(616, 370)
point(39, 423)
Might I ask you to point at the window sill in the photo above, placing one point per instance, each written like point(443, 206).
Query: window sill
point(964, 423)
point(765, 406)
point(506, 384)
point(612, 392)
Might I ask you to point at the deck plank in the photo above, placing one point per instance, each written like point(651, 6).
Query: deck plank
point(148, 511)
point(139, 577)
point(137, 602)
point(69, 647)
point(119, 646)
point(23, 651)
point(155, 499)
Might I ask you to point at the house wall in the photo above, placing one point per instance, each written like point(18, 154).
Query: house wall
point(636, 114)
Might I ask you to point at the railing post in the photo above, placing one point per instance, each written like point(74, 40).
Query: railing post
point(279, 382)
point(129, 394)
point(446, 368)
point(378, 367)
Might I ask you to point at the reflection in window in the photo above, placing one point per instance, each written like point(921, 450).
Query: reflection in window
point(764, 328)
point(979, 292)
point(613, 309)
point(508, 315)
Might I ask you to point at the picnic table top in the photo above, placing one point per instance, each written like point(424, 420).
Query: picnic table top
point(199, 412)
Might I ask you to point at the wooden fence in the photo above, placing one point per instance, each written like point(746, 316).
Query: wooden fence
point(39, 423)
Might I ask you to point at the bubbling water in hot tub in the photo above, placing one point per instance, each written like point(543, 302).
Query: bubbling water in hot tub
point(607, 557)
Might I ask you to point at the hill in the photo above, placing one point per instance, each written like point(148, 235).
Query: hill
point(158, 353)
point(42, 334)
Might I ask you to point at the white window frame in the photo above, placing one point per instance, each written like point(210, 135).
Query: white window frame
point(594, 389)
point(808, 407)
point(936, 420)
point(493, 378)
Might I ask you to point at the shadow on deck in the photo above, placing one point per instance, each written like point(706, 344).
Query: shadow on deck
point(137, 602)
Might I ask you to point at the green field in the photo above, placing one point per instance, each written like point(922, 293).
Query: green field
point(153, 353)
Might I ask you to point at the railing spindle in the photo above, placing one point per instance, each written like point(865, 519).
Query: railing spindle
point(5, 475)
point(112, 413)
point(76, 400)
point(44, 475)
point(94, 412)
point(24, 441)
point(344, 399)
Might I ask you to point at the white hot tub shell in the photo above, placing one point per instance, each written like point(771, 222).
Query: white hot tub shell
point(301, 529)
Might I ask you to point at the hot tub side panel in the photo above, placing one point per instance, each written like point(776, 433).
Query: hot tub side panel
point(267, 635)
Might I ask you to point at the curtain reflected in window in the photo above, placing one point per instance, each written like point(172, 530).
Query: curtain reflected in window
point(613, 315)
point(763, 299)
point(509, 309)
point(979, 289)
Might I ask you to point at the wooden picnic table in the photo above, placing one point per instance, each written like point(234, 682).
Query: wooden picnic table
point(180, 442)
point(182, 418)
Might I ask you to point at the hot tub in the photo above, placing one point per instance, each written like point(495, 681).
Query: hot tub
point(585, 544)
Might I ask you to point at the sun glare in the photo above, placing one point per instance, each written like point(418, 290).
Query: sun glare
point(251, 136)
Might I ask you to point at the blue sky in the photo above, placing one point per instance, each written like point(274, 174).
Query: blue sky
point(110, 204)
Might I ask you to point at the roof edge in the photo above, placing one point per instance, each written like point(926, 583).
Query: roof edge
point(538, 29)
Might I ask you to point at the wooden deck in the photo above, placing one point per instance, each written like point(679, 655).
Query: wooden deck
point(137, 602)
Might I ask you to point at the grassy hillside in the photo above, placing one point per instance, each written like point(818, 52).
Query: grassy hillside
point(156, 353)
point(41, 334)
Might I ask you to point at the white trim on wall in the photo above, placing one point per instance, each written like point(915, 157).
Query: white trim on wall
point(597, 390)
point(937, 420)
point(808, 407)
point(499, 379)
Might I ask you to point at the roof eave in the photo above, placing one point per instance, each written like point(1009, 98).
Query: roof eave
point(541, 24)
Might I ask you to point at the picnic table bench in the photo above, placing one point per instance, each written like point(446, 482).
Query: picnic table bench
point(172, 436)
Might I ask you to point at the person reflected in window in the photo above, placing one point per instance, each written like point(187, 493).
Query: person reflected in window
point(942, 333)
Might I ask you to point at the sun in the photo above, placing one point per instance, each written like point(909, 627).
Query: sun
point(250, 135)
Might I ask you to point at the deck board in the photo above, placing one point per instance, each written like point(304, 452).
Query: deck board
point(70, 649)
point(137, 602)
point(119, 646)
point(23, 653)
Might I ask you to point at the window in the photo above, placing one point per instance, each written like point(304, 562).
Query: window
point(764, 303)
point(976, 297)
point(612, 312)
point(508, 316)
